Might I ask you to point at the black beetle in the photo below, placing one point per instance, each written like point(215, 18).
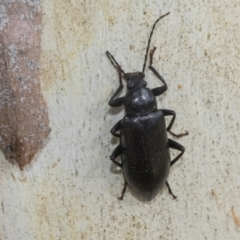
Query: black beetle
point(144, 145)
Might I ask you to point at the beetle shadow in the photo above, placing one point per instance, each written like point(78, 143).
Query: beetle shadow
point(115, 110)
point(115, 169)
point(114, 140)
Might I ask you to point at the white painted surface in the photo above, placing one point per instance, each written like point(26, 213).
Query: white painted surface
point(69, 191)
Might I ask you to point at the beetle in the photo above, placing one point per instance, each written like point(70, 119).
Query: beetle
point(144, 144)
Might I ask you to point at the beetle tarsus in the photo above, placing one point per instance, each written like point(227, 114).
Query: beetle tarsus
point(170, 190)
point(123, 191)
point(179, 135)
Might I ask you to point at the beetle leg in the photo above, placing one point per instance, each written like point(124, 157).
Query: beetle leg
point(116, 128)
point(119, 101)
point(170, 190)
point(159, 90)
point(123, 191)
point(116, 152)
point(177, 146)
point(167, 112)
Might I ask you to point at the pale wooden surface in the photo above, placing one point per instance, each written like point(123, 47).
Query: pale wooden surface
point(69, 191)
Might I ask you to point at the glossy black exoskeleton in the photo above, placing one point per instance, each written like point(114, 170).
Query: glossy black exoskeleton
point(144, 145)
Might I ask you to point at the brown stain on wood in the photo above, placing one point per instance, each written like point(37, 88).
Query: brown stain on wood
point(214, 194)
point(24, 122)
point(23, 179)
point(235, 218)
point(179, 86)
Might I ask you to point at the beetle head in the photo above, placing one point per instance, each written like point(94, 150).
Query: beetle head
point(135, 80)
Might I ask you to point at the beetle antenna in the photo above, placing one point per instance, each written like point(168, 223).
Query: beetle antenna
point(115, 63)
point(149, 40)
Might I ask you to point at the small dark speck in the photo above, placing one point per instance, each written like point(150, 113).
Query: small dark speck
point(13, 177)
point(179, 86)
point(76, 173)
point(2, 207)
point(214, 194)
